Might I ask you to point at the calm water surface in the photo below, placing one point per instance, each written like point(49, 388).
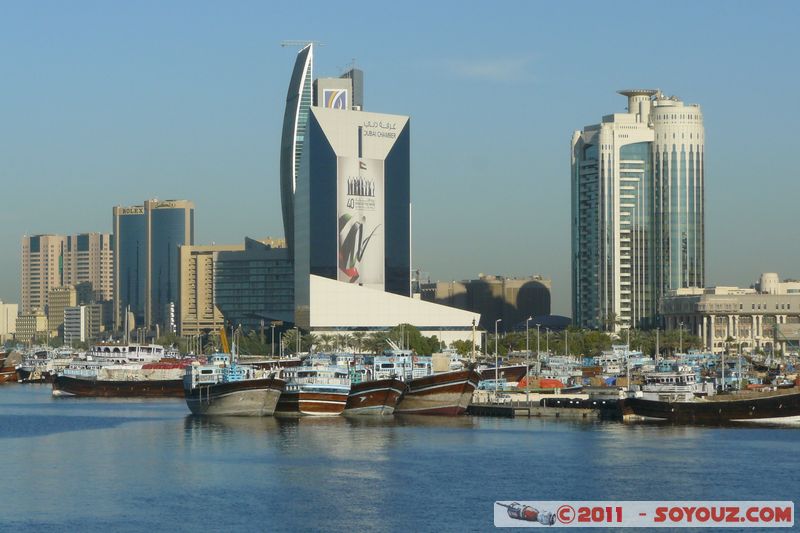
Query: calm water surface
point(117, 465)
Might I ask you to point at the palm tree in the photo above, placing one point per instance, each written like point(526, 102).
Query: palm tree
point(325, 342)
point(358, 340)
point(346, 341)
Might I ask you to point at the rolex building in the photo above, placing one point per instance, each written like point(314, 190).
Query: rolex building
point(637, 211)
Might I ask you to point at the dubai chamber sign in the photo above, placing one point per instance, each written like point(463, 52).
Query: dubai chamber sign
point(360, 215)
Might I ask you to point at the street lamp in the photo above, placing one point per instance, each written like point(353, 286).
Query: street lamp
point(680, 337)
point(272, 327)
point(538, 352)
point(496, 358)
point(527, 363)
point(547, 340)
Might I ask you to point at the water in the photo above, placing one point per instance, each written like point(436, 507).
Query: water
point(118, 465)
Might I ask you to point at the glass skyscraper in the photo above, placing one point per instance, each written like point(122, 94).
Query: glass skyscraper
point(299, 99)
point(637, 211)
point(146, 248)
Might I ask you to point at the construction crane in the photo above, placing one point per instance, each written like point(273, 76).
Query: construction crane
point(223, 339)
point(300, 43)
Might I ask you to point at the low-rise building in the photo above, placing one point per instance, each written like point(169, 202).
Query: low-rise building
point(31, 327)
point(8, 321)
point(59, 299)
point(83, 323)
point(255, 286)
point(495, 297)
point(723, 316)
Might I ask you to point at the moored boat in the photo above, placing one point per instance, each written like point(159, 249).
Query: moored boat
point(374, 397)
point(778, 406)
point(225, 388)
point(447, 393)
point(676, 396)
point(314, 391)
point(512, 374)
point(149, 380)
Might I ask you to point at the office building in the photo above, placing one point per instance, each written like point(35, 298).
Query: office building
point(32, 327)
point(196, 310)
point(752, 317)
point(254, 286)
point(83, 323)
point(298, 103)
point(346, 203)
point(637, 211)
point(60, 298)
point(510, 299)
point(42, 270)
point(8, 321)
point(89, 266)
point(146, 246)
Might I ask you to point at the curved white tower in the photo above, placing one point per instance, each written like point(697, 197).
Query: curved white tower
point(298, 101)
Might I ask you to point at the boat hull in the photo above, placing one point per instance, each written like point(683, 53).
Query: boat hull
point(377, 398)
point(255, 397)
point(8, 374)
point(69, 386)
point(766, 409)
point(445, 394)
point(512, 374)
point(311, 403)
point(35, 376)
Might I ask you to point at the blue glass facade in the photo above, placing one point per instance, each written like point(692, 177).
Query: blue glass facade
point(316, 222)
point(132, 264)
point(168, 232)
point(679, 205)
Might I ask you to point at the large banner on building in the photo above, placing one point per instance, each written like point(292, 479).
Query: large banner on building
point(360, 201)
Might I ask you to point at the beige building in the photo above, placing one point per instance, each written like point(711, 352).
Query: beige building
point(8, 321)
point(31, 327)
point(42, 269)
point(510, 299)
point(750, 316)
point(196, 310)
point(60, 298)
point(89, 266)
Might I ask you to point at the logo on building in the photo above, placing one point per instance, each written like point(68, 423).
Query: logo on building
point(334, 98)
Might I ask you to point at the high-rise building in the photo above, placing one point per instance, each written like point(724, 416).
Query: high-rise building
point(89, 266)
point(298, 102)
point(345, 184)
point(147, 240)
point(197, 311)
point(637, 210)
point(130, 263)
point(352, 204)
point(84, 261)
point(42, 269)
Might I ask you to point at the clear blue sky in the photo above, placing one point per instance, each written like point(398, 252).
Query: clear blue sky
point(105, 103)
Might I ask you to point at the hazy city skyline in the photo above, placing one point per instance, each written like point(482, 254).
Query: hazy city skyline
point(108, 104)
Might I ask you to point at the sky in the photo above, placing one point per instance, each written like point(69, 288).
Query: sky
point(110, 103)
